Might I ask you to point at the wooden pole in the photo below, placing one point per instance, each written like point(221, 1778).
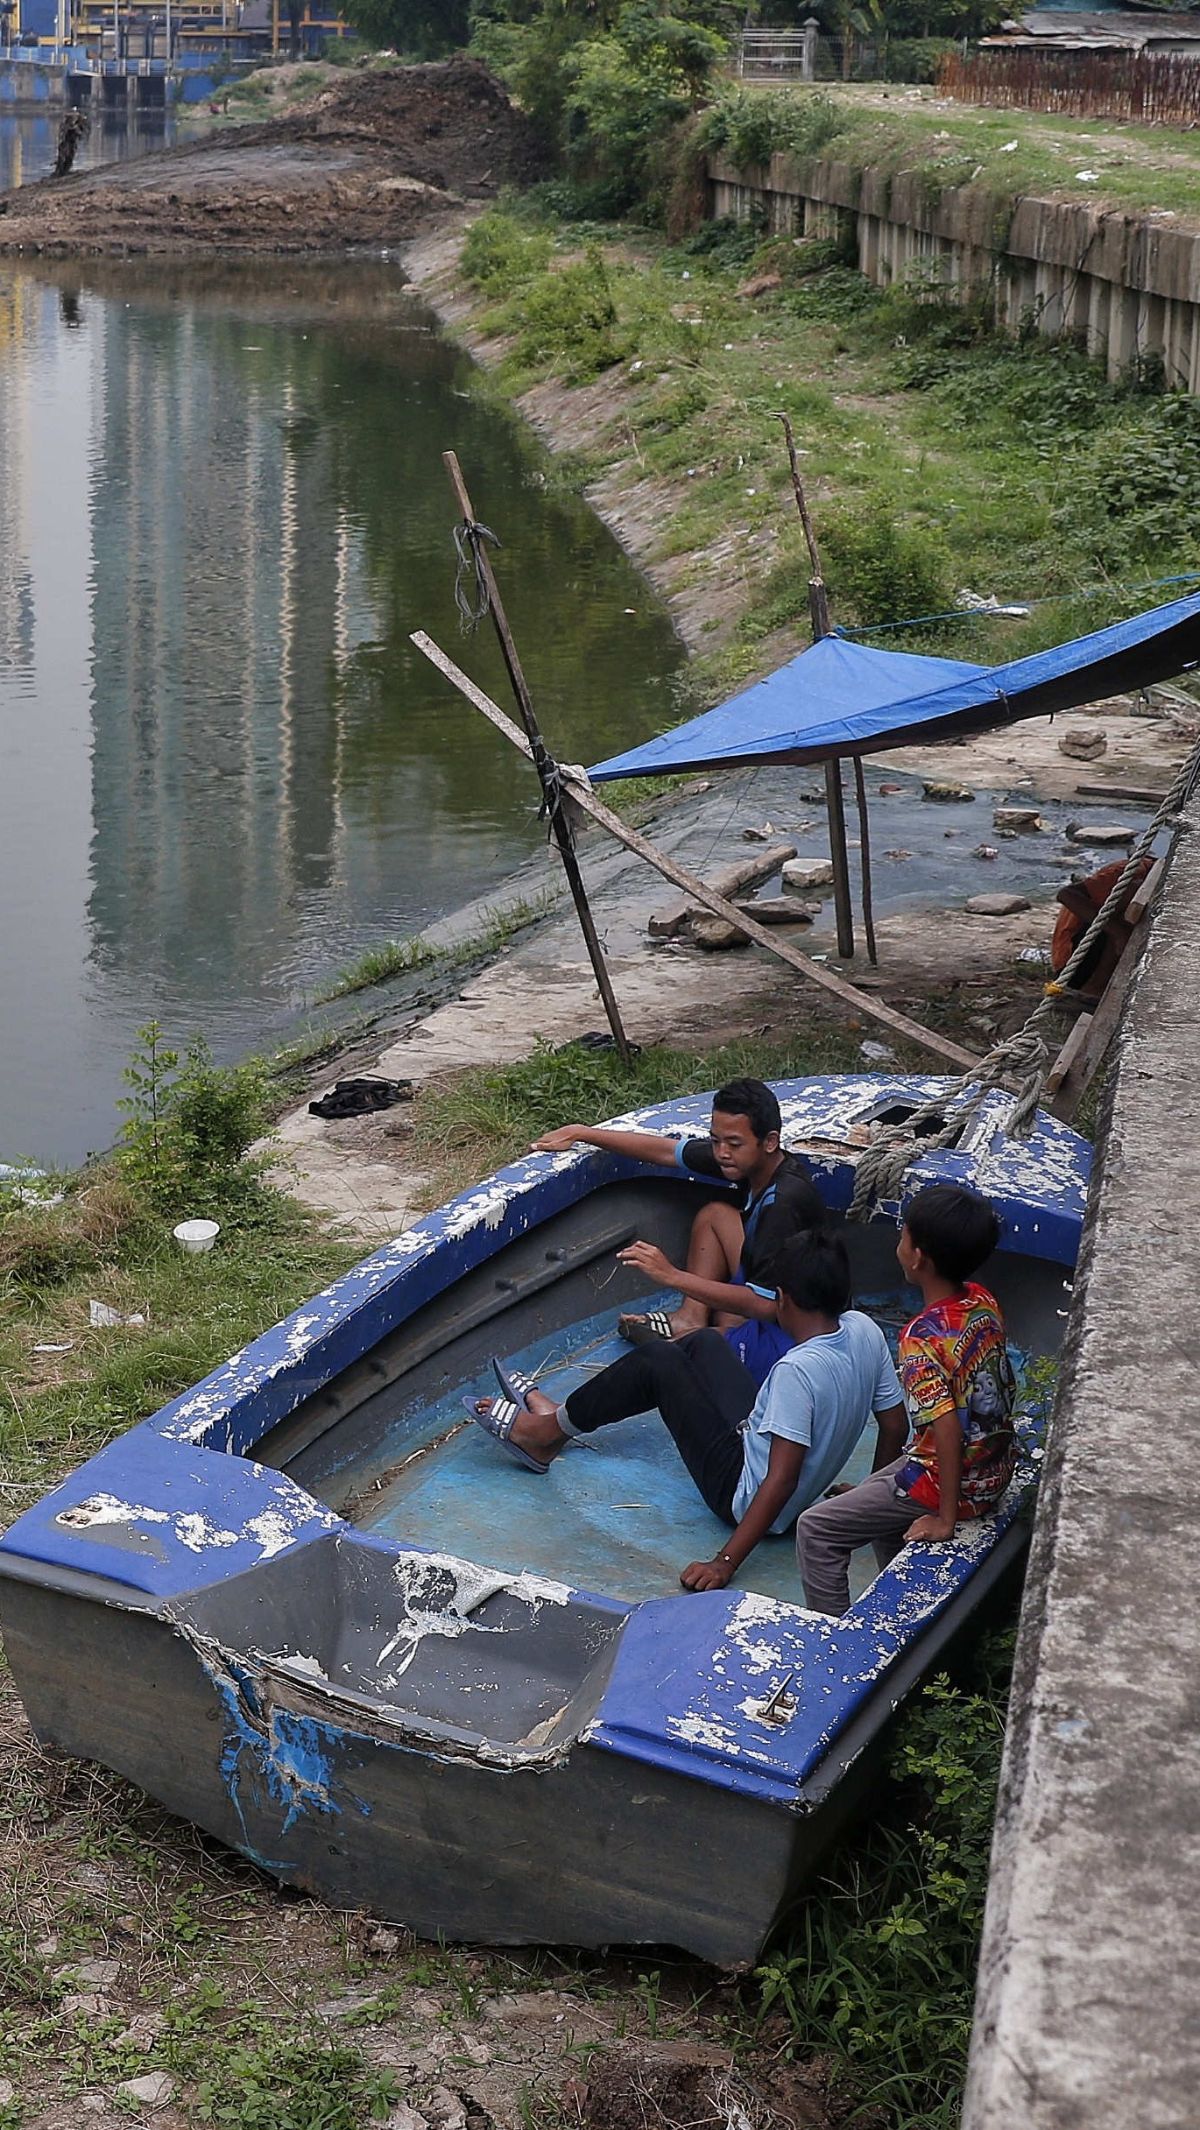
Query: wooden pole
point(818, 612)
point(547, 769)
point(585, 798)
point(864, 835)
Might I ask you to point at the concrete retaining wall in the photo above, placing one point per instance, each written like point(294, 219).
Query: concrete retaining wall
point(1126, 285)
point(1087, 2015)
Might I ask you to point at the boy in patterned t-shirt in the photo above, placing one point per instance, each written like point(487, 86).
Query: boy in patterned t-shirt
point(959, 1389)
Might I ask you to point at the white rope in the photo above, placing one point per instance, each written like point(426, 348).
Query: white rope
point(1019, 1061)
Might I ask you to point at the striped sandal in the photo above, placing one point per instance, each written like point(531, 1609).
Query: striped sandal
point(638, 1330)
point(498, 1421)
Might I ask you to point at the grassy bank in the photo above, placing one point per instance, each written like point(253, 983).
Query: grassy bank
point(1008, 154)
point(936, 456)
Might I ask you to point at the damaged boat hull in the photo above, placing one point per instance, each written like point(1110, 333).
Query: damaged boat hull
point(464, 1745)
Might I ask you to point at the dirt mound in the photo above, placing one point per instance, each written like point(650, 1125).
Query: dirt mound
point(450, 124)
point(363, 166)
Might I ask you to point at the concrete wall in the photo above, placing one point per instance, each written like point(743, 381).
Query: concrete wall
point(1088, 2013)
point(1127, 285)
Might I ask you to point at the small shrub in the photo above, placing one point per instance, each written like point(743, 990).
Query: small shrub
point(501, 253)
point(569, 318)
point(749, 126)
point(188, 1127)
point(884, 571)
point(916, 58)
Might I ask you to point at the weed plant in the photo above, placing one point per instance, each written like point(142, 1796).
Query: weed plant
point(880, 1967)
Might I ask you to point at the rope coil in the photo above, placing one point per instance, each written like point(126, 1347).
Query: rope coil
point(1022, 1058)
point(470, 583)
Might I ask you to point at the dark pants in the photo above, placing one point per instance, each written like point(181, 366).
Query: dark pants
point(702, 1391)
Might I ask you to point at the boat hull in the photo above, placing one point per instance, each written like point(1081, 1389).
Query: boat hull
point(420, 1719)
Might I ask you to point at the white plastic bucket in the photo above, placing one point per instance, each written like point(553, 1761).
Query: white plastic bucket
point(195, 1236)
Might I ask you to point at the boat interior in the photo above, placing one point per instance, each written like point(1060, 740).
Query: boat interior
point(389, 1446)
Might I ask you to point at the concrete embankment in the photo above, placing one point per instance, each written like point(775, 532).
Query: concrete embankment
point(1090, 1972)
point(1127, 285)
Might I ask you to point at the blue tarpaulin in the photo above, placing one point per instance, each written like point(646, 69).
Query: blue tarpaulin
point(840, 697)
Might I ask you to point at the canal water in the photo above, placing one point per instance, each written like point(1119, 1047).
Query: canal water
point(29, 141)
point(224, 771)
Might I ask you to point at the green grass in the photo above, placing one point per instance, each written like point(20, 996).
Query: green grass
point(482, 1118)
point(401, 957)
point(1137, 167)
point(935, 455)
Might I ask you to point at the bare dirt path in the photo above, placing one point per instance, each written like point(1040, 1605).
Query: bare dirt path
point(362, 166)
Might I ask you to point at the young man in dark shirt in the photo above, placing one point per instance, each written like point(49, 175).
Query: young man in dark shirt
point(729, 1280)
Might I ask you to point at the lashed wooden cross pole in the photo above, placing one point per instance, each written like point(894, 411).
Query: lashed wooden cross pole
point(818, 614)
point(546, 768)
point(582, 796)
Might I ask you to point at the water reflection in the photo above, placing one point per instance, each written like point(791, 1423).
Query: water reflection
point(28, 140)
point(225, 769)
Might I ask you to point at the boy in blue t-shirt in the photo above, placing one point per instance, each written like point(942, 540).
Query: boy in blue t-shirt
point(757, 1456)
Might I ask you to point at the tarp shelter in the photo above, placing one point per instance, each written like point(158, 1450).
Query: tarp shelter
point(840, 697)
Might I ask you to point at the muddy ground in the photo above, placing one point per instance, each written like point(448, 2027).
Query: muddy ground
point(363, 166)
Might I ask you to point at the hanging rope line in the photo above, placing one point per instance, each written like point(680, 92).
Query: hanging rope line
point(1019, 1062)
point(985, 613)
point(470, 584)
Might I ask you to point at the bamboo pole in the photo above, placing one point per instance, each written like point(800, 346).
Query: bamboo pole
point(585, 798)
point(546, 767)
point(818, 612)
point(864, 845)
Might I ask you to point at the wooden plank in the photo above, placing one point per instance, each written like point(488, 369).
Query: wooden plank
point(747, 872)
point(1134, 794)
point(1099, 1029)
point(1145, 896)
point(1067, 1055)
point(938, 1046)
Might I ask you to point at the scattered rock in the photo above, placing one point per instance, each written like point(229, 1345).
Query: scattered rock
point(93, 2103)
point(101, 1974)
point(8, 2092)
point(945, 794)
point(46, 1948)
point(1083, 746)
point(876, 1053)
point(1107, 836)
point(404, 2117)
point(446, 2110)
point(886, 790)
point(759, 835)
point(1022, 818)
point(716, 934)
point(780, 909)
point(802, 874)
point(986, 850)
point(384, 1942)
point(998, 905)
point(89, 2003)
point(760, 285)
point(153, 2089)
point(142, 2032)
point(898, 854)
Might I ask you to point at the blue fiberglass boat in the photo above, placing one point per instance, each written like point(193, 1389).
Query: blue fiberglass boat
point(308, 1606)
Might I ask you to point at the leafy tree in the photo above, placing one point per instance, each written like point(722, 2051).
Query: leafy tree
point(427, 28)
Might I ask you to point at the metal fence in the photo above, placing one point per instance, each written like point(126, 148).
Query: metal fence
point(1157, 88)
point(776, 55)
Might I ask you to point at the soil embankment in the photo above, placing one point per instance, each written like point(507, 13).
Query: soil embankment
point(366, 164)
